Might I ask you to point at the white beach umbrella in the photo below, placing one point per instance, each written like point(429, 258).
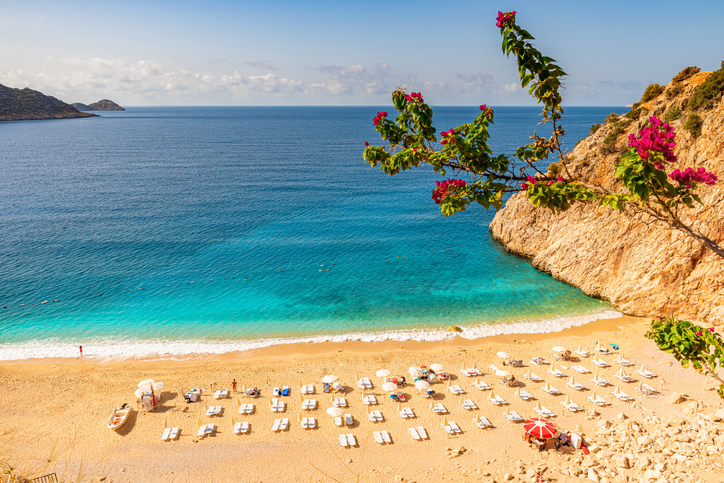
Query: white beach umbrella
point(329, 378)
point(389, 386)
point(335, 412)
point(415, 371)
point(502, 373)
point(437, 367)
point(559, 349)
point(422, 385)
point(382, 373)
point(503, 355)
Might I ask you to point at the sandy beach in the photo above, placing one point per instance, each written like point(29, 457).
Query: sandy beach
point(53, 415)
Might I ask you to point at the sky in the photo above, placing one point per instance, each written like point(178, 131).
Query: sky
point(229, 53)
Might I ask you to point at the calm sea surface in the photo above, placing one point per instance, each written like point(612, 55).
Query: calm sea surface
point(180, 230)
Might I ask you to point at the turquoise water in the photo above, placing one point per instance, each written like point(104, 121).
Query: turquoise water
point(179, 230)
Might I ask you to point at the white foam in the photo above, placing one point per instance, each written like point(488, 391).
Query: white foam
point(174, 349)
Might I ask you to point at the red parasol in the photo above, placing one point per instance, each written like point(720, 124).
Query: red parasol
point(540, 428)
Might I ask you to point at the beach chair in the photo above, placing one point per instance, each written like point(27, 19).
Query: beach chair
point(337, 387)
point(532, 377)
point(304, 423)
point(166, 434)
point(544, 411)
point(538, 361)
point(276, 424)
point(378, 437)
point(495, 399)
point(645, 373)
point(598, 400)
point(493, 368)
point(174, 432)
point(482, 422)
point(448, 429)
point(646, 389)
point(343, 440)
point(456, 389)
point(202, 430)
point(548, 389)
point(524, 395)
point(369, 400)
point(514, 417)
point(455, 427)
point(469, 405)
point(421, 431)
point(571, 406)
point(482, 386)
point(599, 381)
point(580, 369)
point(210, 428)
point(340, 402)
point(367, 382)
point(575, 385)
point(276, 392)
point(600, 363)
point(581, 352)
point(556, 372)
point(351, 440)
point(622, 361)
point(602, 350)
point(311, 422)
point(386, 437)
point(237, 428)
point(217, 394)
point(348, 420)
point(440, 408)
point(409, 412)
point(338, 420)
point(414, 434)
point(621, 396)
point(624, 378)
point(285, 391)
point(378, 416)
point(284, 424)
point(309, 404)
point(213, 411)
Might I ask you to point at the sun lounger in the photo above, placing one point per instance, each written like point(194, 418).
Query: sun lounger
point(407, 413)
point(538, 361)
point(625, 378)
point(378, 416)
point(581, 352)
point(456, 389)
point(307, 389)
point(217, 394)
point(622, 396)
point(646, 389)
point(483, 423)
point(623, 361)
point(343, 440)
point(166, 434)
point(600, 363)
point(580, 369)
point(532, 377)
point(545, 412)
point(284, 424)
point(645, 373)
point(369, 400)
point(277, 405)
point(174, 433)
point(556, 372)
point(448, 429)
point(421, 431)
point(439, 408)
point(276, 392)
point(246, 408)
point(514, 417)
point(337, 387)
point(413, 433)
point(213, 411)
point(338, 420)
point(364, 383)
point(240, 428)
point(469, 404)
point(482, 386)
point(202, 430)
point(351, 440)
point(386, 436)
point(571, 406)
point(378, 437)
point(455, 427)
point(497, 400)
point(277, 423)
point(577, 386)
point(598, 400)
point(471, 372)
point(551, 390)
point(304, 423)
point(309, 404)
point(524, 395)
point(600, 381)
point(348, 419)
point(493, 368)
point(602, 350)
point(340, 402)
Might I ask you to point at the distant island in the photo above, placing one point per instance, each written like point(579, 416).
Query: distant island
point(28, 104)
point(102, 105)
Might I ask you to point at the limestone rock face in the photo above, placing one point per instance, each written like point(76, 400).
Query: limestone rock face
point(644, 268)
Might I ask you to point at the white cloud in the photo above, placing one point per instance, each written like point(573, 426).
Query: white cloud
point(261, 64)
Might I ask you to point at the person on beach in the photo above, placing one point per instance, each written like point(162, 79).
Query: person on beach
point(81, 350)
point(233, 385)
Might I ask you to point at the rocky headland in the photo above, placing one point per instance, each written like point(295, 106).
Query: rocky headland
point(82, 107)
point(643, 267)
point(102, 105)
point(28, 104)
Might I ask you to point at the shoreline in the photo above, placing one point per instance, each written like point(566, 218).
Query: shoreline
point(321, 345)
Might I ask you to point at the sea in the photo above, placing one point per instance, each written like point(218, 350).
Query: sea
point(174, 231)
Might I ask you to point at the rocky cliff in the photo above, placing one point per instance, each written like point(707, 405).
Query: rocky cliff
point(644, 268)
point(27, 104)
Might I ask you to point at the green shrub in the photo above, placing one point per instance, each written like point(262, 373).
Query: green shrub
point(634, 113)
point(674, 114)
point(706, 94)
point(686, 73)
point(636, 105)
point(612, 118)
point(693, 124)
point(594, 128)
point(652, 92)
point(609, 142)
point(674, 90)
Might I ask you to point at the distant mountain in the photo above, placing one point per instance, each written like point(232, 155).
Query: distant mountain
point(82, 107)
point(105, 105)
point(27, 104)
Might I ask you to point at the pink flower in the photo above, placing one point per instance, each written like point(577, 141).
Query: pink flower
point(447, 188)
point(447, 136)
point(698, 333)
point(531, 179)
point(378, 118)
point(483, 107)
point(560, 178)
point(658, 137)
point(711, 329)
point(524, 185)
point(366, 144)
point(691, 175)
point(504, 18)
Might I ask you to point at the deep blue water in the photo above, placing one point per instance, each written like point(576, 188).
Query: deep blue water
point(218, 224)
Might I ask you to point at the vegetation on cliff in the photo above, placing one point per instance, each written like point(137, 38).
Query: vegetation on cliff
point(27, 104)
